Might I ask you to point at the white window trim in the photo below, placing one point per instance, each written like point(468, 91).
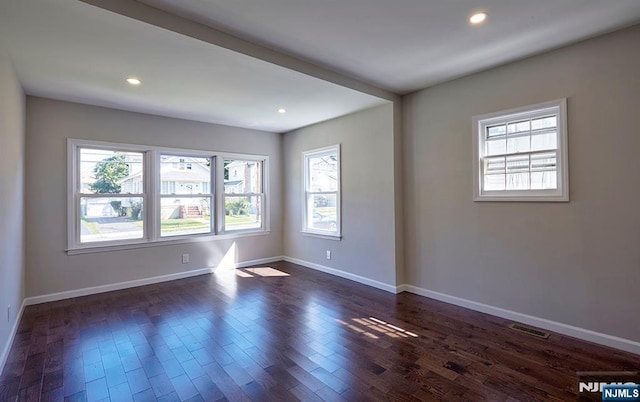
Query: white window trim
point(151, 228)
point(561, 194)
point(220, 213)
point(323, 234)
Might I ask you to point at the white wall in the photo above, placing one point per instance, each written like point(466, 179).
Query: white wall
point(12, 133)
point(50, 123)
point(367, 248)
point(576, 263)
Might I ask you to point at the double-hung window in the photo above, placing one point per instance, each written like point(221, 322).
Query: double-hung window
point(322, 213)
point(243, 196)
point(521, 154)
point(107, 209)
point(186, 200)
point(124, 196)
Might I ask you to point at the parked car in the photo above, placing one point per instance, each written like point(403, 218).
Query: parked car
point(326, 222)
point(320, 201)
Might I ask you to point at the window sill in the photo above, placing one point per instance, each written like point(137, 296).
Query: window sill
point(162, 242)
point(521, 197)
point(322, 235)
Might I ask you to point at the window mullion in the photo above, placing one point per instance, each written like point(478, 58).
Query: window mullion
point(152, 186)
point(220, 195)
point(141, 188)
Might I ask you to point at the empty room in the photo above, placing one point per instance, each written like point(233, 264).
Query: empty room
point(365, 200)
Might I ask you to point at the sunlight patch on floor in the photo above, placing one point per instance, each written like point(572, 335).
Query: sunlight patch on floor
point(259, 271)
point(370, 326)
point(357, 329)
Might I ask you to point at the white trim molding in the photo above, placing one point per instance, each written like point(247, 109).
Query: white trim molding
point(509, 118)
point(565, 329)
point(141, 282)
point(12, 335)
point(342, 274)
point(115, 286)
point(309, 194)
point(151, 195)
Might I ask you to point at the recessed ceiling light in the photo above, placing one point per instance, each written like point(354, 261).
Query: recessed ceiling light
point(282, 110)
point(478, 18)
point(134, 81)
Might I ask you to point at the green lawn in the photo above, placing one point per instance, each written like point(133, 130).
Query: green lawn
point(326, 210)
point(174, 225)
point(91, 226)
point(231, 220)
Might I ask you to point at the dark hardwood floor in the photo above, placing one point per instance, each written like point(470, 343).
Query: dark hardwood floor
point(260, 335)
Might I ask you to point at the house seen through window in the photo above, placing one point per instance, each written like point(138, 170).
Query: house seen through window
point(109, 209)
point(243, 194)
point(185, 195)
point(322, 213)
point(128, 194)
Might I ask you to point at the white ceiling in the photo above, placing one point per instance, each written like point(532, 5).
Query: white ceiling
point(71, 50)
point(406, 45)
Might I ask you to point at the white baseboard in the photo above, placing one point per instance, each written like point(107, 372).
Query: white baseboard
point(342, 274)
point(576, 332)
point(402, 288)
point(12, 334)
point(138, 282)
point(115, 286)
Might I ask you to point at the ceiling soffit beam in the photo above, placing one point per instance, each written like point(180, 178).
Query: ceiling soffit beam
point(162, 19)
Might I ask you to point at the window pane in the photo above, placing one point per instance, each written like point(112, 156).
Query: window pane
point(494, 165)
point(546, 161)
point(494, 182)
point(185, 175)
point(110, 172)
point(518, 144)
point(495, 131)
point(544, 123)
point(323, 172)
point(518, 163)
point(544, 140)
point(243, 212)
point(110, 218)
point(241, 177)
point(323, 212)
point(518, 181)
point(520, 127)
point(496, 147)
point(544, 180)
point(183, 216)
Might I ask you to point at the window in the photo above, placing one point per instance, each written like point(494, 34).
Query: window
point(127, 195)
point(243, 196)
point(185, 199)
point(107, 210)
point(322, 191)
point(521, 154)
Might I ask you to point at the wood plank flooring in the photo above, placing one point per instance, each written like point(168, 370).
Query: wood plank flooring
point(280, 334)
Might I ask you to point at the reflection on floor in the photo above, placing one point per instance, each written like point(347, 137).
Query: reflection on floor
point(259, 271)
point(282, 333)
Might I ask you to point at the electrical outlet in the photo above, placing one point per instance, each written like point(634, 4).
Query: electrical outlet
point(185, 258)
point(9, 313)
point(328, 254)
